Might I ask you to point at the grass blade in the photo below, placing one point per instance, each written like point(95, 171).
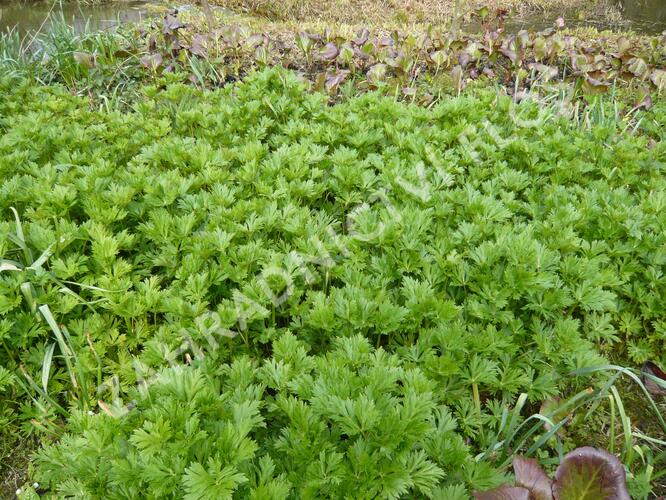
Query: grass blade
point(46, 366)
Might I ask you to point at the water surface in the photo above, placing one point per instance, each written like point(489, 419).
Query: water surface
point(33, 16)
point(642, 16)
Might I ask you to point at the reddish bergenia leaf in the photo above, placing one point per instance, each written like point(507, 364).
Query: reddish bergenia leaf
point(152, 61)
point(198, 47)
point(171, 24)
point(649, 370)
point(329, 52)
point(530, 475)
point(362, 37)
point(658, 77)
point(510, 54)
point(623, 45)
point(503, 493)
point(646, 104)
point(333, 81)
point(590, 474)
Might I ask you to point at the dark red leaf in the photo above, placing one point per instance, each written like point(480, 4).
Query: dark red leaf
point(329, 52)
point(171, 24)
point(198, 46)
point(598, 84)
point(509, 54)
point(655, 388)
point(362, 37)
point(360, 54)
point(590, 474)
point(623, 45)
point(333, 81)
point(457, 77)
point(463, 59)
point(530, 475)
point(152, 61)
point(637, 66)
point(646, 104)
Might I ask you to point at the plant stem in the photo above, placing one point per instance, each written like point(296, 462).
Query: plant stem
point(611, 444)
point(477, 404)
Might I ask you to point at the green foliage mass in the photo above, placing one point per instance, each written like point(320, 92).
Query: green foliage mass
point(353, 423)
point(386, 277)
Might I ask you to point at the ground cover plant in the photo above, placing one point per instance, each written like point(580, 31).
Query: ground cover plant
point(419, 64)
point(251, 292)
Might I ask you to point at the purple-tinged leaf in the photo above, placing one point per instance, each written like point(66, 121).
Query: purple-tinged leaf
point(595, 84)
point(329, 52)
point(463, 59)
point(523, 39)
point(649, 370)
point(509, 54)
point(531, 476)
point(637, 66)
point(658, 77)
point(304, 42)
point(171, 24)
point(198, 47)
point(457, 78)
point(362, 37)
point(152, 61)
point(503, 493)
point(559, 23)
point(364, 56)
point(590, 474)
point(176, 47)
point(346, 54)
point(623, 45)
point(551, 407)
point(646, 104)
point(439, 57)
point(386, 42)
point(334, 80)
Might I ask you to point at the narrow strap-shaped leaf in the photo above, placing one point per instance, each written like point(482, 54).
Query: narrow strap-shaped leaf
point(46, 366)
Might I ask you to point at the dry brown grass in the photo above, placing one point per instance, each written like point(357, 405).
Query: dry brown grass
point(386, 12)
